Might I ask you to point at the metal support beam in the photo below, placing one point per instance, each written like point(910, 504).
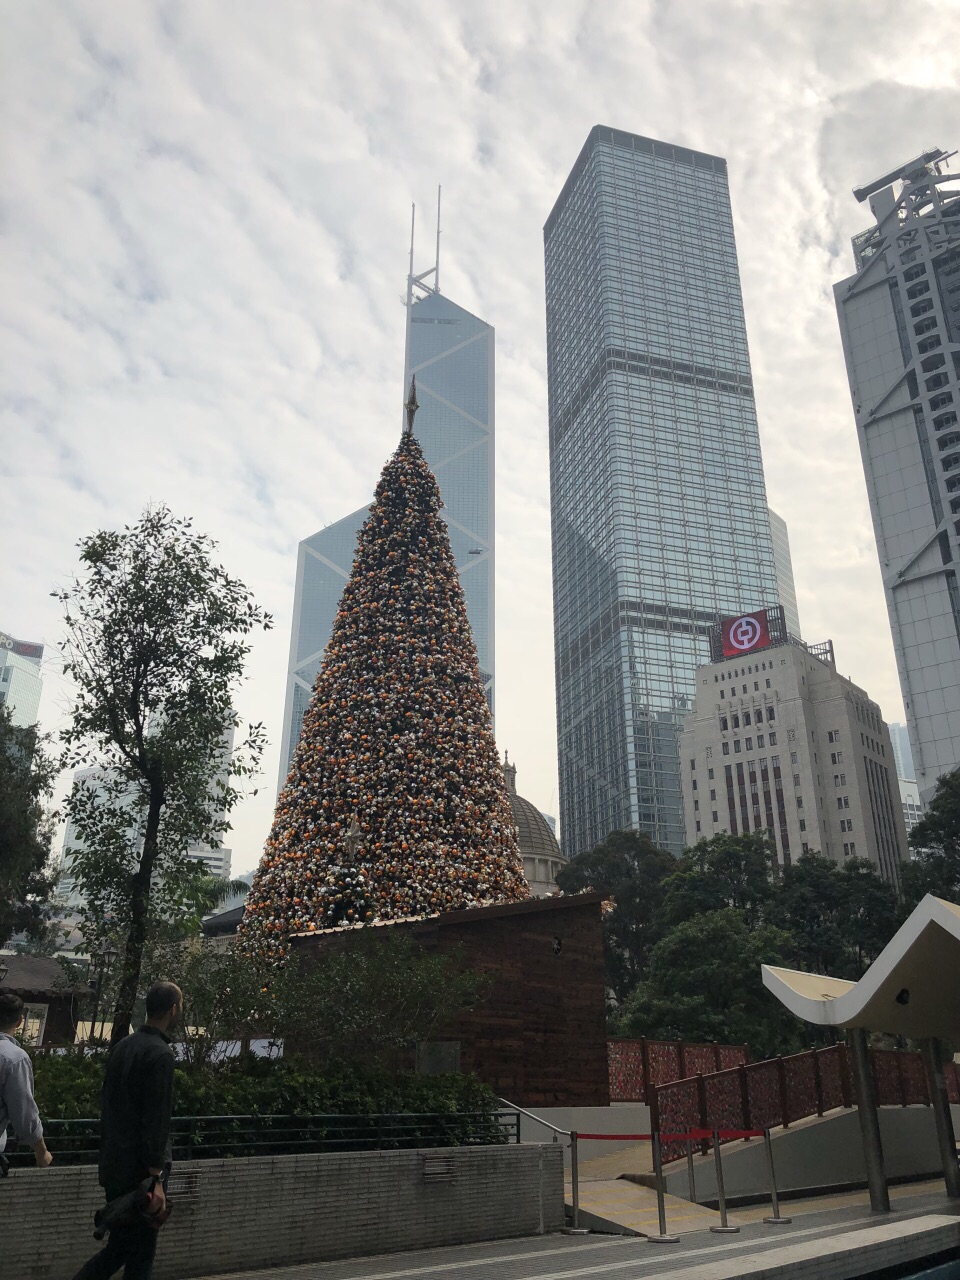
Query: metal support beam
point(869, 1120)
point(946, 1139)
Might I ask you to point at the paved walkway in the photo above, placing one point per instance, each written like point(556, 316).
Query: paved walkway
point(607, 1202)
point(839, 1241)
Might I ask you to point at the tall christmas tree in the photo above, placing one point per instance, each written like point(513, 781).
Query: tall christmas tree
point(396, 804)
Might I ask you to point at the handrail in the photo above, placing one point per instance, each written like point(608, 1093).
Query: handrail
point(546, 1123)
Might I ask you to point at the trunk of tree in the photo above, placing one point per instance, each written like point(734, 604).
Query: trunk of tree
point(139, 911)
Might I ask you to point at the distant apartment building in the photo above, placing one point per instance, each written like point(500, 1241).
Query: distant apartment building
point(779, 742)
point(900, 325)
point(20, 681)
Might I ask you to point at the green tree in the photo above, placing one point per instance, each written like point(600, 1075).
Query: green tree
point(157, 635)
point(840, 917)
point(935, 867)
point(27, 776)
point(724, 871)
point(630, 870)
point(704, 983)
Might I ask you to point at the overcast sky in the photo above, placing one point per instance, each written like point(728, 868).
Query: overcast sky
point(206, 221)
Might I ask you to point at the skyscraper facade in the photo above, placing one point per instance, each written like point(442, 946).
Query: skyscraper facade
point(900, 325)
point(659, 508)
point(783, 562)
point(20, 681)
point(451, 352)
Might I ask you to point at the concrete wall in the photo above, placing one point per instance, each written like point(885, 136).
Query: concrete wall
point(235, 1215)
point(819, 1153)
point(626, 1117)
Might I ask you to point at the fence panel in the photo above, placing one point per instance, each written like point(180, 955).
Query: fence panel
point(831, 1076)
point(763, 1089)
point(724, 1100)
point(699, 1059)
point(886, 1074)
point(663, 1057)
point(625, 1062)
point(679, 1109)
point(914, 1079)
point(799, 1072)
point(733, 1055)
point(952, 1073)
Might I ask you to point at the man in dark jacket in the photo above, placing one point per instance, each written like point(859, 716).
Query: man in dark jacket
point(135, 1132)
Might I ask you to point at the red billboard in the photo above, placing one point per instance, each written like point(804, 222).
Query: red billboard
point(744, 634)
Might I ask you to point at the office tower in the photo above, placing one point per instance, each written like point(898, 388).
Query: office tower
point(20, 681)
point(783, 563)
point(451, 352)
point(779, 742)
point(900, 324)
point(900, 741)
point(659, 509)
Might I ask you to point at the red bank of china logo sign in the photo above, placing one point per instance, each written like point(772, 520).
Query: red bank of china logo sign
point(744, 634)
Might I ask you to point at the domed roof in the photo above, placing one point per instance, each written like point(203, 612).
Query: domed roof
point(535, 837)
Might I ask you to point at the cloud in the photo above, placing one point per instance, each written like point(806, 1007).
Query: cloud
point(205, 235)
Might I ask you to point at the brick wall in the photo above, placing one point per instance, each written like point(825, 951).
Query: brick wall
point(540, 1038)
point(234, 1215)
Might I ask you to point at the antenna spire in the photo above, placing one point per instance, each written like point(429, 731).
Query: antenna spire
point(411, 405)
point(436, 269)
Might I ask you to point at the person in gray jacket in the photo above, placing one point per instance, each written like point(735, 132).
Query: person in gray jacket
point(17, 1106)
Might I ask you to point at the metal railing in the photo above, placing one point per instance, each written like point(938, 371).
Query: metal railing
point(223, 1137)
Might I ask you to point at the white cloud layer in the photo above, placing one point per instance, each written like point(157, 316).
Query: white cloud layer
point(205, 233)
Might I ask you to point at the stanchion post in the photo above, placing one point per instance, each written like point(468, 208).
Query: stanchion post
point(575, 1178)
point(691, 1176)
point(775, 1218)
point(662, 1238)
point(724, 1228)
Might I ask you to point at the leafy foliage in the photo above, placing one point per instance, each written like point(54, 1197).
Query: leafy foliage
point(629, 869)
point(686, 937)
point(936, 844)
point(157, 635)
point(26, 781)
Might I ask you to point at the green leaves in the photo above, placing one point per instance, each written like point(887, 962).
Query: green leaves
point(936, 847)
point(157, 636)
point(26, 782)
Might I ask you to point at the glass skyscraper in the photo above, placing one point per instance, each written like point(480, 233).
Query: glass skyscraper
point(451, 352)
point(659, 508)
point(900, 325)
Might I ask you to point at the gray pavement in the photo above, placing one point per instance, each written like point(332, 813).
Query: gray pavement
point(561, 1257)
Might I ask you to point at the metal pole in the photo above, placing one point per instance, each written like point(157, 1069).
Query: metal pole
point(691, 1176)
point(662, 1238)
point(775, 1218)
point(946, 1140)
point(96, 1001)
point(724, 1228)
point(869, 1120)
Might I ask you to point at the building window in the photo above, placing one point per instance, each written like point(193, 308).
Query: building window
point(794, 758)
point(693, 765)
point(723, 724)
point(803, 824)
point(804, 848)
point(799, 802)
point(796, 779)
point(736, 722)
point(726, 748)
point(846, 849)
point(710, 774)
point(836, 757)
point(723, 693)
point(736, 744)
point(771, 713)
point(760, 740)
point(772, 739)
point(714, 816)
point(833, 735)
point(698, 824)
point(713, 794)
point(756, 686)
point(749, 742)
point(696, 805)
point(767, 683)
